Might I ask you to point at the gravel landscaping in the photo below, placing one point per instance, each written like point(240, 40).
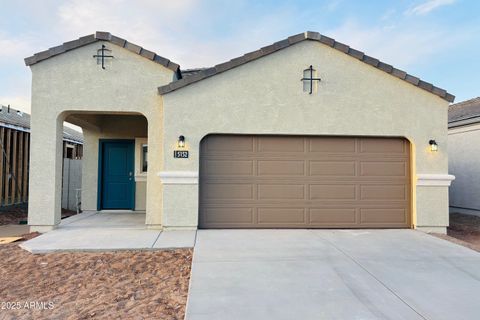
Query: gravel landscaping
point(464, 229)
point(81, 285)
point(18, 214)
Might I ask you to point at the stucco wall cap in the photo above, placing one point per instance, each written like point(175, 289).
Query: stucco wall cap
point(434, 180)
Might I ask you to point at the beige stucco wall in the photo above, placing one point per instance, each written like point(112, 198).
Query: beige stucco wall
point(464, 163)
point(266, 97)
point(73, 82)
point(261, 97)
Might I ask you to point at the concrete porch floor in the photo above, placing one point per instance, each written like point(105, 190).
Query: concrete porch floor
point(100, 231)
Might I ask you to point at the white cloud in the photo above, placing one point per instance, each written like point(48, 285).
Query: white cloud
point(185, 31)
point(428, 6)
point(14, 82)
point(13, 47)
point(400, 46)
point(166, 28)
point(18, 102)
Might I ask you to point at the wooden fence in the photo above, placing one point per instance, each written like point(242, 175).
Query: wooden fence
point(15, 148)
point(14, 168)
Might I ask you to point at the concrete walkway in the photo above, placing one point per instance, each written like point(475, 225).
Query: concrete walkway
point(337, 274)
point(108, 231)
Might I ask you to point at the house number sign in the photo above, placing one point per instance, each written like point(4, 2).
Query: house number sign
point(180, 154)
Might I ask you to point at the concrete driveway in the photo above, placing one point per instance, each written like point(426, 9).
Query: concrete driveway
point(332, 274)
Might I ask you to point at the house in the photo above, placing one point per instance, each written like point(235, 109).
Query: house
point(464, 154)
point(304, 133)
point(15, 144)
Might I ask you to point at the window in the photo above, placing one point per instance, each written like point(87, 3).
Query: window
point(69, 151)
point(144, 157)
point(141, 159)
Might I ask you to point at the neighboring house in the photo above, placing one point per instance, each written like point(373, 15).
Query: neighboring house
point(304, 133)
point(464, 155)
point(15, 144)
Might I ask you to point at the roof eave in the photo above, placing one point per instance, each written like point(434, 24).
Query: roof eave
point(463, 122)
point(101, 36)
point(313, 36)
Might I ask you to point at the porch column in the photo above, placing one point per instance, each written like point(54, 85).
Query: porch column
point(45, 184)
point(154, 204)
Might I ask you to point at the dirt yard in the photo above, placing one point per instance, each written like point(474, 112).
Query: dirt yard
point(465, 230)
point(110, 285)
point(18, 214)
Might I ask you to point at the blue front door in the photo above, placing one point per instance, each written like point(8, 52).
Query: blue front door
point(117, 187)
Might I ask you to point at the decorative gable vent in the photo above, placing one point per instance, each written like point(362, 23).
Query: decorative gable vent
point(310, 80)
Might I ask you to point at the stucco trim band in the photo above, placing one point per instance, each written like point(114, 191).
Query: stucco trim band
point(435, 180)
point(179, 177)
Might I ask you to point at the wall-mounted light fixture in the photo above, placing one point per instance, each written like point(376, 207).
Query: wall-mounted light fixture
point(433, 145)
point(181, 142)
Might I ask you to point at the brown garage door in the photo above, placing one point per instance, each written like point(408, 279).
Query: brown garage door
point(304, 182)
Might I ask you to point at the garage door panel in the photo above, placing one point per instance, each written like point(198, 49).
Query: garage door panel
point(333, 216)
point(383, 192)
point(280, 144)
point(214, 168)
point(332, 192)
point(304, 182)
point(219, 143)
point(235, 215)
point(382, 145)
point(281, 215)
point(229, 191)
point(383, 168)
point(332, 145)
point(383, 215)
point(281, 191)
point(280, 168)
point(332, 168)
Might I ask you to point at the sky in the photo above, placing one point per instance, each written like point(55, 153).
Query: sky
point(436, 40)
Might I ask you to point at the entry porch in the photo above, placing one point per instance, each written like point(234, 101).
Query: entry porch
point(108, 230)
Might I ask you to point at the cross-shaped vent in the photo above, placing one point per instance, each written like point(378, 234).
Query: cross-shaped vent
point(102, 54)
point(310, 80)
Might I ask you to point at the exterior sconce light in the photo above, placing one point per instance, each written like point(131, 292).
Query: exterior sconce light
point(433, 145)
point(181, 142)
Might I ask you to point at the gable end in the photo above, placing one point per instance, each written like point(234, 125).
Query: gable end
point(102, 36)
point(311, 36)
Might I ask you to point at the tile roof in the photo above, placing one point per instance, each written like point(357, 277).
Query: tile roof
point(189, 72)
point(21, 120)
point(101, 36)
point(315, 36)
point(465, 112)
point(72, 134)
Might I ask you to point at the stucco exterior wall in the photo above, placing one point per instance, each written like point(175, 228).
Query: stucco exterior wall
point(464, 163)
point(266, 97)
point(72, 82)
